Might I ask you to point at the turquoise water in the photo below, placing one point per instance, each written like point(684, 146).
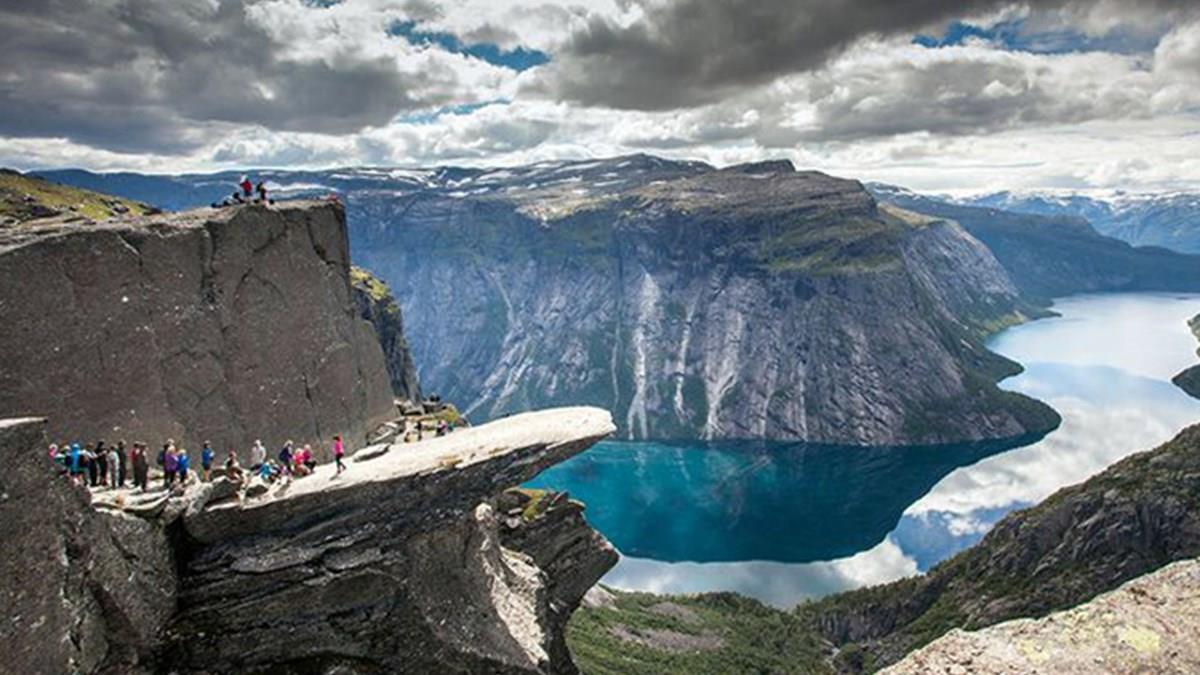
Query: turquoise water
point(785, 522)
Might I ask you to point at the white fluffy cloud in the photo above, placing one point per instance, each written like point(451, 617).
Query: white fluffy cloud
point(171, 88)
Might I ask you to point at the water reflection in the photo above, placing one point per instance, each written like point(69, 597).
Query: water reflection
point(840, 518)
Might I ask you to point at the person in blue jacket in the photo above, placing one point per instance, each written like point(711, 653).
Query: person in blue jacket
point(75, 472)
point(183, 463)
point(206, 460)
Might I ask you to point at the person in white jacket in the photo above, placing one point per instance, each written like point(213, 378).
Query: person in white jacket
point(258, 455)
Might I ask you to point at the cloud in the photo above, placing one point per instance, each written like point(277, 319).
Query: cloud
point(687, 53)
point(137, 75)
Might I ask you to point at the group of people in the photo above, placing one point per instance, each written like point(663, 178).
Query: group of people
point(247, 193)
point(100, 465)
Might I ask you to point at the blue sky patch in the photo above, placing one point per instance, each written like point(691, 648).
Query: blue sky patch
point(459, 109)
point(1015, 36)
point(518, 59)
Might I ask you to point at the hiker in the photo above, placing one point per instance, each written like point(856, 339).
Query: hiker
point(89, 461)
point(309, 462)
point(170, 465)
point(285, 459)
point(206, 460)
point(299, 468)
point(122, 463)
point(258, 455)
point(113, 462)
point(247, 188)
point(267, 472)
point(101, 460)
point(339, 451)
point(141, 467)
point(183, 463)
point(233, 470)
point(75, 466)
point(443, 428)
point(261, 189)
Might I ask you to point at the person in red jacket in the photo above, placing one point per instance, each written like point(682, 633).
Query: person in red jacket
point(247, 188)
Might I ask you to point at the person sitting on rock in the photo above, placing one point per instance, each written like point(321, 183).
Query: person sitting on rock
point(261, 189)
point(206, 460)
point(233, 470)
point(309, 462)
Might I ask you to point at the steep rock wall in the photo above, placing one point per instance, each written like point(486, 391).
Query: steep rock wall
point(227, 325)
point(80, 591)
point(752, 302)
point(377, 305)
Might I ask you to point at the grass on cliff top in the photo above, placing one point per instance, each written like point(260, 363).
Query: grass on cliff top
point(373, 285)
point(712, 633)
point(24, 198)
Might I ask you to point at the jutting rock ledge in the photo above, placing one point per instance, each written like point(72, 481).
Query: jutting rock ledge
point(404, 563)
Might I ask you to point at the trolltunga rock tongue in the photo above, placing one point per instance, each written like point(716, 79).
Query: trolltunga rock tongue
point(437, 479)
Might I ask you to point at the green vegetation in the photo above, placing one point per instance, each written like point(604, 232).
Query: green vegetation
point(853, 245)
point(24, 198)
point(375, 287)
point(714, 633)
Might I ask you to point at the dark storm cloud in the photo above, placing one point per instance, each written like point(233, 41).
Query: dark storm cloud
point(142, 75)
point(692, 52)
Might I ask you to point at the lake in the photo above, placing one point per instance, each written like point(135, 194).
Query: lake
point(783, 522)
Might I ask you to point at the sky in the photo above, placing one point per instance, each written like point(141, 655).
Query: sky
point(971, 96)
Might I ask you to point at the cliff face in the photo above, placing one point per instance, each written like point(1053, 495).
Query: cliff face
point(80, 591)
point(407, 562)
point(755, 301)
point(227, 325)
point(376, 304)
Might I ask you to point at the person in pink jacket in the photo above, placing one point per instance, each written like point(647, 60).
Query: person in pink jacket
point(339, 451)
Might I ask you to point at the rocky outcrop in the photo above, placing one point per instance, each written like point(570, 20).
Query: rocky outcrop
point(80, 591)
point(1149, 625)
point(1189, 380)
point(1135, 517)
point(403, 563)
point(750, 302)
point(376, 304)
point(219, 324)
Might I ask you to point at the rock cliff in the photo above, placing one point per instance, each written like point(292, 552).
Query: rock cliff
point(377, 305)
point(1149, 625)
point(750, 302)
point(408, 562)
point(222, 324)
point(80, 591)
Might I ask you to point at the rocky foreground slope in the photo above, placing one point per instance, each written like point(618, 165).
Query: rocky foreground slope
point(219, 324)
point(1149, 625)
point(412, 561)
point(755, 301)
point(1137, 516)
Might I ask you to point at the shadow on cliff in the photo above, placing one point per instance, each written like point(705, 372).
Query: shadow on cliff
point(735, 501)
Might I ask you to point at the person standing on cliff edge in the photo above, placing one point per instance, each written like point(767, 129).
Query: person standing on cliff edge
point(339, 451)
point(247, 188)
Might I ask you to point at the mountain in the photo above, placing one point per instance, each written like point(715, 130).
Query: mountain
point(1135, 517)
point(1189, 380)
point(753, 301)
point(24, 198)
point(377, 305)
point(1052, 256)
point(1169, 220)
